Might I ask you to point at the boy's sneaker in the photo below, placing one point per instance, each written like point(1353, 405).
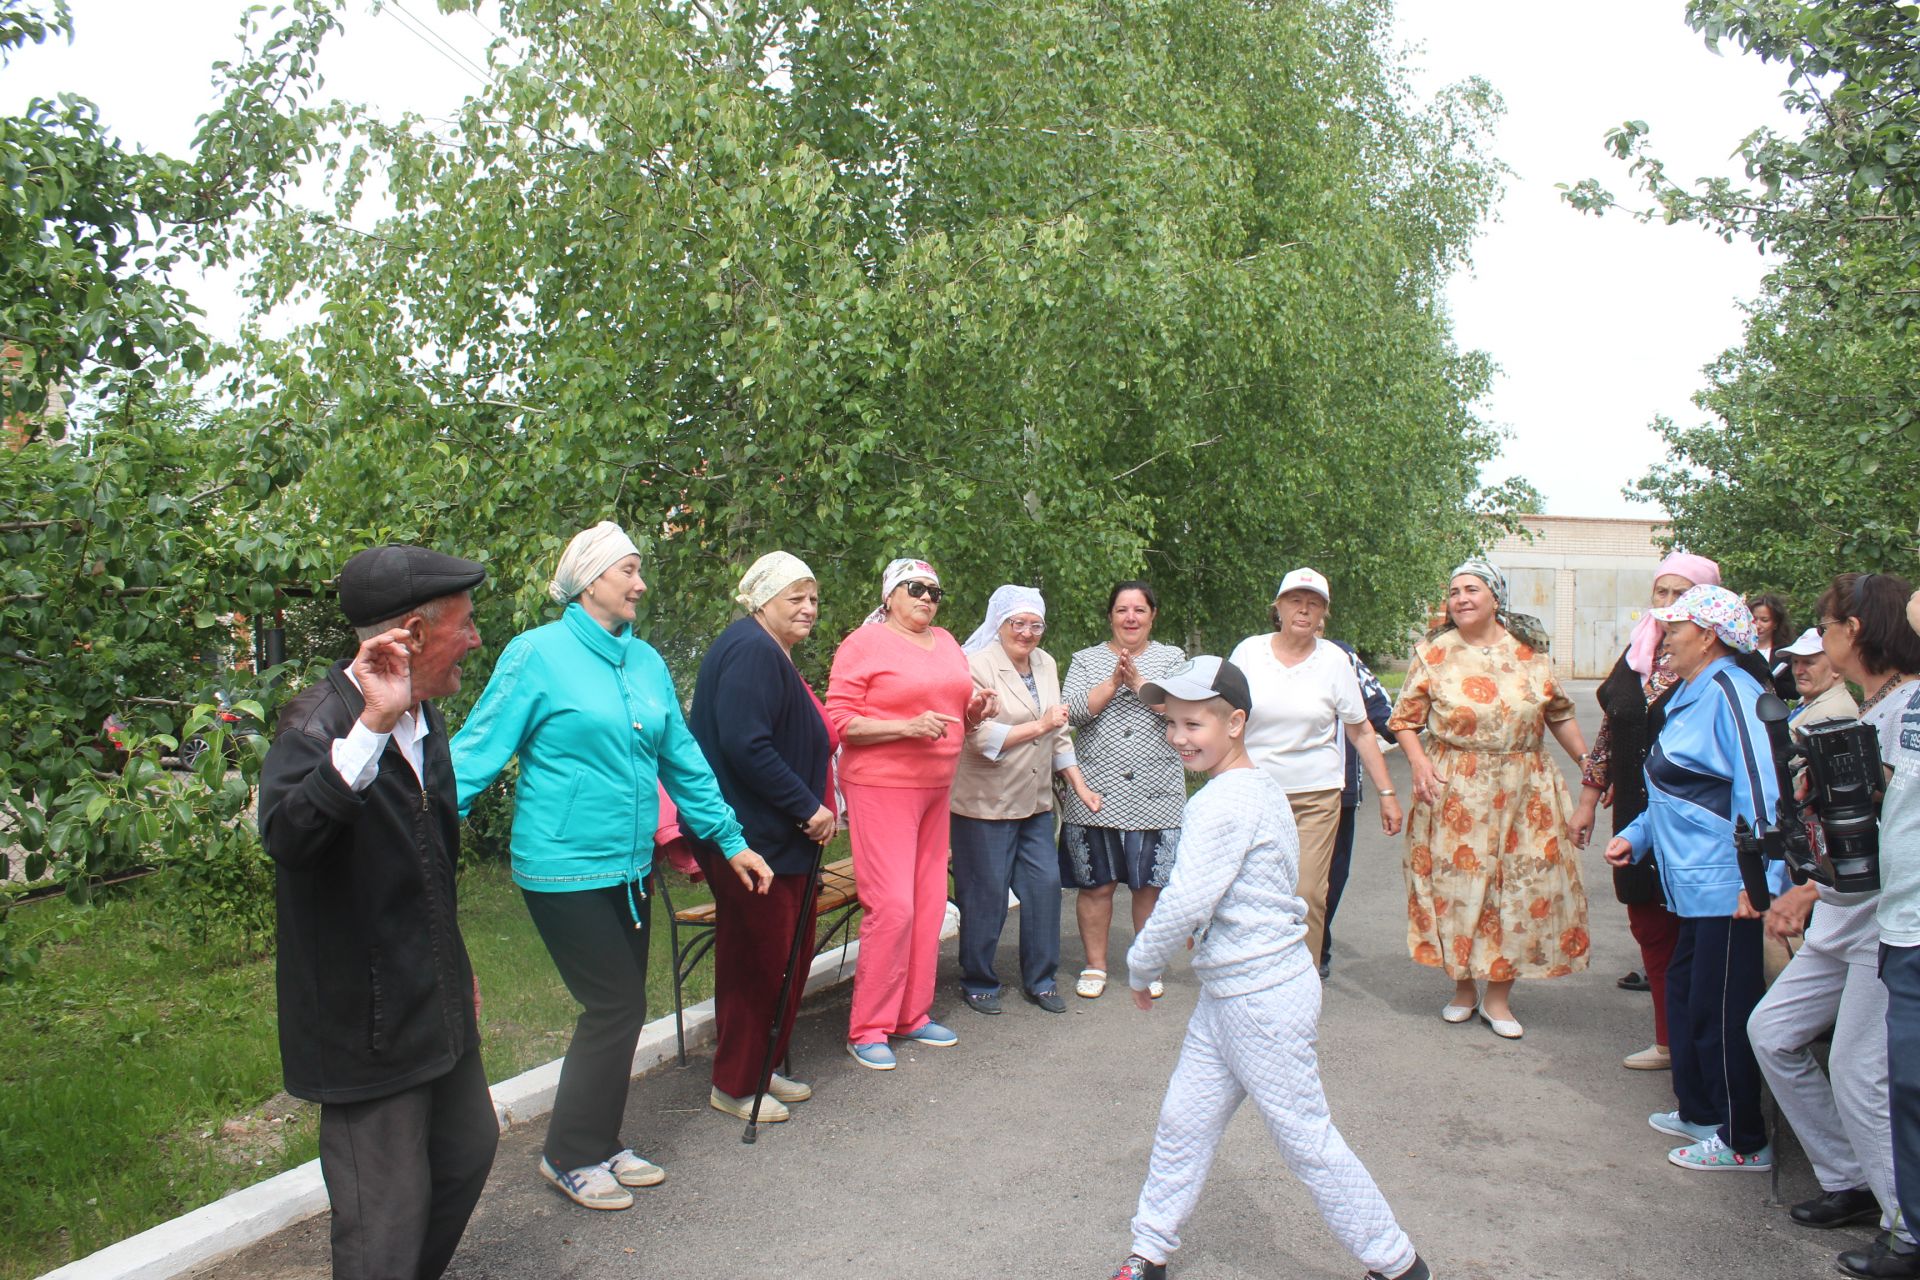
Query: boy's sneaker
point(874, 1056)
point(630, 1170)
point(1670, 1122)
point(592, 1187)
point(1138, 1268)
point(1716, 1156)
point(931, 1034)
point(1418, 1271)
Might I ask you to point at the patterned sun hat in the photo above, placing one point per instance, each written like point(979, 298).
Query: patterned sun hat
point(1715, 609)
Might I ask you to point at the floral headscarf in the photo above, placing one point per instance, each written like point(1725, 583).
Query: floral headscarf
point(1718, 610)
point(899, 571)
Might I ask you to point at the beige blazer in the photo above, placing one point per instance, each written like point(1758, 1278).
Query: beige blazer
point(1017, 782)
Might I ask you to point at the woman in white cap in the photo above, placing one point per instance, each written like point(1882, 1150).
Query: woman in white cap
point(589, 709)
point(1493, 880)
point(1307, 709)
point(767, 737)
point(901, 698)
point(1003, 804)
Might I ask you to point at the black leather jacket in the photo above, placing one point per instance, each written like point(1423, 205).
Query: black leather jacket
point(376, 992)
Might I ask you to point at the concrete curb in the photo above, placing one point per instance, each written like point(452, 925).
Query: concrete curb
point(250, 1215)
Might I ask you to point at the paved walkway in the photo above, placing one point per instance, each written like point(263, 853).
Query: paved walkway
point(1019, 1152)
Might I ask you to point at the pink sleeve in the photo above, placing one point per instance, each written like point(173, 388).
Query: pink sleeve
point(847, 683)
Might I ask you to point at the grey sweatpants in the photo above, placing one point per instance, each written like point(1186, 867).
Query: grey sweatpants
point(1843, 1122)
point(1261, 1045)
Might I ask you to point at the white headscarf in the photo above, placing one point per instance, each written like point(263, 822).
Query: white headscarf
point(767, 577)
point(591, 553)
point(1001, 605)
point(899, 571)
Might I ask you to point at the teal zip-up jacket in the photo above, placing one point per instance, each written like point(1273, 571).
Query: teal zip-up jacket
point(597, 726)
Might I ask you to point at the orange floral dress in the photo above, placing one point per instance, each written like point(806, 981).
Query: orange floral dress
point(1493, 880)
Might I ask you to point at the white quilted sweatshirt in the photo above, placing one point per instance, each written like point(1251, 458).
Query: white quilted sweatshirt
point(1233, 878)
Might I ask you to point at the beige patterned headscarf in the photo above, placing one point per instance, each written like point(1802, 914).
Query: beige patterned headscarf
point(767, 577)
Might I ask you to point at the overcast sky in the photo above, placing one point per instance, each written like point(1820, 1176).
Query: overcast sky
point(1598, 325)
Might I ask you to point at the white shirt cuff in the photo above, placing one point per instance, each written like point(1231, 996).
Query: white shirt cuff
point(1064, 758)
point(993, 737)
point(356, 757)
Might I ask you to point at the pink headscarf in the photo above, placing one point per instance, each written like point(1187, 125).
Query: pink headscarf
point(1699, 571)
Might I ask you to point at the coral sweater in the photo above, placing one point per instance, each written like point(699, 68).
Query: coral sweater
point(880, 674)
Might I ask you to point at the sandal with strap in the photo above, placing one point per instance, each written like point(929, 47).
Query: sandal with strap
point(1092, 983)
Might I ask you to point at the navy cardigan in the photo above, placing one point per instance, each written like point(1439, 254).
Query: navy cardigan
point(756, 721)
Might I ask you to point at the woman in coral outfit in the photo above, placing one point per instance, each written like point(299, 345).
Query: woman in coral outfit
point(901, 698)
point(1493, 883)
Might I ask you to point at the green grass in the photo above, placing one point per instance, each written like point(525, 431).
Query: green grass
point(140, 1072)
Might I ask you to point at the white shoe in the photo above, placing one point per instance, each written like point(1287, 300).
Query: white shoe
point(1457, 1013)
point(772, 1110)
point(591, 1187)
point(1505, 1028)
point(630, 1170)
point(1156, 989)
point(789, 1090)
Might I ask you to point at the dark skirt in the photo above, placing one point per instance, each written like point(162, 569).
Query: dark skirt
point(1094, 856)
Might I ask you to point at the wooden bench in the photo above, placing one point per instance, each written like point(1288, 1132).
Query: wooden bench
point(838, 900)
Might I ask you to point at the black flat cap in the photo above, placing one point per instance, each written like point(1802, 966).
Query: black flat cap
point(385, 582)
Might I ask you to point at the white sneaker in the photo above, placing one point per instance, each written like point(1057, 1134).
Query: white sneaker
point(592, 1187)
point(629, 1170)
point(789, 1090)
point(772, 1110)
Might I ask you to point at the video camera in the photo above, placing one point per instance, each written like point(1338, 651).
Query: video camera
point(1841, 847)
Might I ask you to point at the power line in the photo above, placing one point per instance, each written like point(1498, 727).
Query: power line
point(435, 42)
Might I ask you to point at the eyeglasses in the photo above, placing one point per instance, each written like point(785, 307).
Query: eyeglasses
point(922, 590)
point(1028, 628)
point(1820, 628)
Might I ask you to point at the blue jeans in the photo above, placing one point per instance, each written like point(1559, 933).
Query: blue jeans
point(989, 856)
point(1900, 971)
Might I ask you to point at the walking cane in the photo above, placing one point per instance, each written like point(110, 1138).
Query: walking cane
point(807, 900)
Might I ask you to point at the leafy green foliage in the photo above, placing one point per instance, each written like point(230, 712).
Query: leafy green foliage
point(1045, 293)
point(1814, 467)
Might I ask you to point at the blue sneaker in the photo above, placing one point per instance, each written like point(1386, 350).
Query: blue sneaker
point(933, 1035)
point(1670, 1122)
point(876, 1056)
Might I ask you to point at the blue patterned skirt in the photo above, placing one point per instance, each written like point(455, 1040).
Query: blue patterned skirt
point(1094, 856)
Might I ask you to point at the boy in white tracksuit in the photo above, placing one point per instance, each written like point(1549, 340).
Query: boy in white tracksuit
point(1253, 1029)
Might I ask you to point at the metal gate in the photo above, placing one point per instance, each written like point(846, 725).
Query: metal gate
point(1606, 604)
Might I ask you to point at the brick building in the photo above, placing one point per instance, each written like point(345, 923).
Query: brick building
point(1587, 579)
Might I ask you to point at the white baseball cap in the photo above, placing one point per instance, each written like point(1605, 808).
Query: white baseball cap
point(1807, 646)
point(1305, 580)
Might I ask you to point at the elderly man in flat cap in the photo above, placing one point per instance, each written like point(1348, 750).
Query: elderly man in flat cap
point(378, 1003)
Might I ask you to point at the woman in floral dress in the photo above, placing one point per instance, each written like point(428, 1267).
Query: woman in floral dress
point(1493, 877)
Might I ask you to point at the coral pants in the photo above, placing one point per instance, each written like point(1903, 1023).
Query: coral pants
point(899, 837)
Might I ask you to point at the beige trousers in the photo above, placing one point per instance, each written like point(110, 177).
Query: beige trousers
point(1317, 815)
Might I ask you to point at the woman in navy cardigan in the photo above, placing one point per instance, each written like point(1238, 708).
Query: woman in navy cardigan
point(767, 737)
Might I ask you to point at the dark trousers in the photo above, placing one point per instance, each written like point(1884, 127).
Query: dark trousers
point(602, 957)
point(990, 856)
point(1657, 930)
point(1714, 981)
point(1337, 871)
point(1900, 971)
point(753, 939)
point(404, 1172)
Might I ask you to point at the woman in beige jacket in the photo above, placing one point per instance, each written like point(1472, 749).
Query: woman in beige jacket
point(1002, 832)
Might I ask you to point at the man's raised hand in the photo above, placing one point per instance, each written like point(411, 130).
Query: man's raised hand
point(384, 670)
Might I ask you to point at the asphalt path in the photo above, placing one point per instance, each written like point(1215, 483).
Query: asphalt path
point(1019, 1152)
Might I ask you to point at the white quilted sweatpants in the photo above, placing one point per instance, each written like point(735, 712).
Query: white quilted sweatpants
point(1261, 1045)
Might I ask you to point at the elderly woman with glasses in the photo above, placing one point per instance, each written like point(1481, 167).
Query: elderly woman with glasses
point(1493, 883)
point(1003, 804)
point(1708, 769)
point(901, 697)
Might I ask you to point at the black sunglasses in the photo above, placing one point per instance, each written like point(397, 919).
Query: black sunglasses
point(920, 589)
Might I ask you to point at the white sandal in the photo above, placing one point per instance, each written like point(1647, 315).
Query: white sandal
point(1092, 983)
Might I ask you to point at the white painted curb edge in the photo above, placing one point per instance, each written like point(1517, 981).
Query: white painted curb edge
point(250, 1215)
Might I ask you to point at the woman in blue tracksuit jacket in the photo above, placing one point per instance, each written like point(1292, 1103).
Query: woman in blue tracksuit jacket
point(1709, 766)
point(589, 709)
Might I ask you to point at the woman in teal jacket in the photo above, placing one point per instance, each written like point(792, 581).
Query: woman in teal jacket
point(589, 709)
point(1709, 767)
